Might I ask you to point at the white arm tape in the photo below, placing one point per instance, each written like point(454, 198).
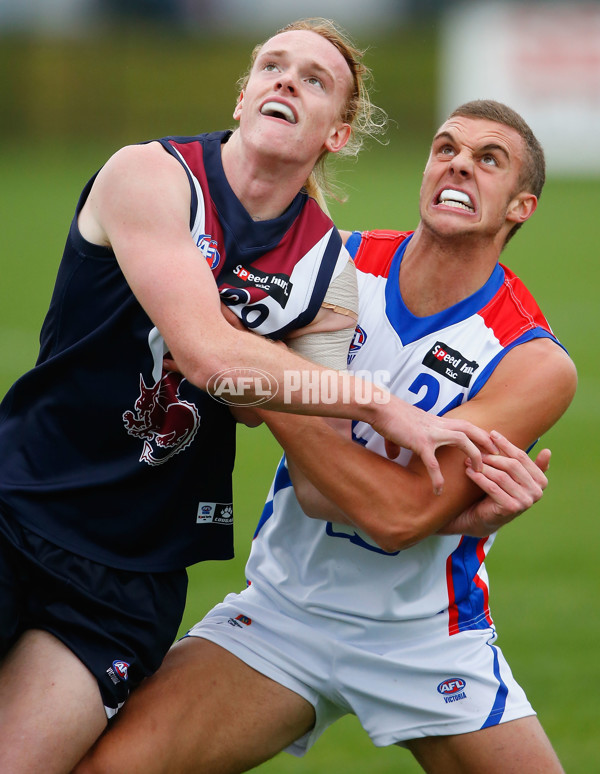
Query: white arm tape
point(330, 348)
point(342, 293)
point(327, 348)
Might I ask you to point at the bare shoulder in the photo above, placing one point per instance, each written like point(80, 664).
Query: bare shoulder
point(136, 179)
point(135, 162)
point(543, 362)
point(345, 235)
point(527, 393)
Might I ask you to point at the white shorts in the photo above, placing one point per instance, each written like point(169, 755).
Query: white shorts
point(403, 680)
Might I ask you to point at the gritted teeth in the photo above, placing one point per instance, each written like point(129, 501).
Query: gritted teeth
point(456, 199)
point(278, 110)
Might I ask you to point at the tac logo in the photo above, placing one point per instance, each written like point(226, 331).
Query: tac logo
point(232, 384)
point(450, 363)
point(275, 285)
point(358, 341)
point(208, 247)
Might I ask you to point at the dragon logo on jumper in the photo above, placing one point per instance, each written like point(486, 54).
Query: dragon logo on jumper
point(165, 422)
point(358, 341)
point(450, 363)
point(208, 247)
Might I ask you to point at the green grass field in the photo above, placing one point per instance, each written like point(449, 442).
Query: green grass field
point(544, 567)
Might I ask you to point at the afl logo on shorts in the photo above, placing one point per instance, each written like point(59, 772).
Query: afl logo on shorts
point(451, 686)
point(358, 340)
point(121, 668)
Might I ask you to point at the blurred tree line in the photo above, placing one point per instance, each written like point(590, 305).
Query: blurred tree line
point(132, 82)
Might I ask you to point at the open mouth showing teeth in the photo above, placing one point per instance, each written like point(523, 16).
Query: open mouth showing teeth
point(456, 199)
point(278, 110)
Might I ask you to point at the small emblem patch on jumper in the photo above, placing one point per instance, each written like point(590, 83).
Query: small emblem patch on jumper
point(450, 363)
point(215, 513)
point(209, 249)
point(358, 340)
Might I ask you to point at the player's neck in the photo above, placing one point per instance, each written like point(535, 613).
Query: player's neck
point(437, 273)
point(265, 189)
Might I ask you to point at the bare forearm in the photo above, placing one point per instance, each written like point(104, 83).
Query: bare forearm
point(313, 502)
point(305, 388)
point(393, 505)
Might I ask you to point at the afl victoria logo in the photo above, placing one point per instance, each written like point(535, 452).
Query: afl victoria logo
point(121, 668)
point(451, 686)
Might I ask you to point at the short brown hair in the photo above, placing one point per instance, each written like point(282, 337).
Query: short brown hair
point(533, 174)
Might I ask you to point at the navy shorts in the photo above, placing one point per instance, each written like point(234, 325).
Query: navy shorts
point(118, 623)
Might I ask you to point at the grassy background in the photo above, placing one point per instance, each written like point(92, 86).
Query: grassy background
point(69, 105)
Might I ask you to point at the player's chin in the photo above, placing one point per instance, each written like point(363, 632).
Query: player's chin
point(444, 214)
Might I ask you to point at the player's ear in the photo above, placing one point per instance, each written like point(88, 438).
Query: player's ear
point(338, 138)
point(522, 207)
point(238, 107)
